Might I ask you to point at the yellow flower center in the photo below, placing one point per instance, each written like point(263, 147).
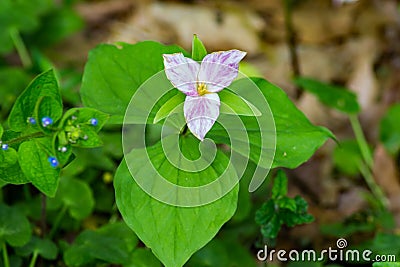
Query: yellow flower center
point(202, 89)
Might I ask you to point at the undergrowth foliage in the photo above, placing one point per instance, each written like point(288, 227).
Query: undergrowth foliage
point(56, 150)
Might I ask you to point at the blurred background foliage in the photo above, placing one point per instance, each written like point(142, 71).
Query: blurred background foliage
point(350, 44)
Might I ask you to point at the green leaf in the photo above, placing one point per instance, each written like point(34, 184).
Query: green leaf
point(89, 139)
point(75, 116)
point(1, 130)
point(122, 231)
point(297, 138)
point(232, 103)
point(47, 106)
point(389, 131)
point(117, 71)
point(265, 213)
point(14, 226)
point(183, 230)
point(280, 185)
point(271, 229)
point(76, 195)
point(142, 257)
point(8, 157)
point(386, 264)
point(104, 244)
point(333, 96)
point(13, 174)
point(168, 107)
point(286, 203)
point(43, 247)
point(347, 157)
point(198, 49)
point(34, 161)
point(43, 85)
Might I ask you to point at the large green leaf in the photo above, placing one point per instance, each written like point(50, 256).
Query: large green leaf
point(14, 226)
point(44, 85)
point(117, 71)
point(333, 96)
point(181, 231)
point(34, 161)
point(390, 129)
point(296, 137)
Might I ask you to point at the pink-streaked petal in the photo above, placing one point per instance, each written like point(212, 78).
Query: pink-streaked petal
point(182, 72)
point(219, 69)
point(201, 112)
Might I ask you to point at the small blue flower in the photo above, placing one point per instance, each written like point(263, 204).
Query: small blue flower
point(31, 120)
point(46, 121)
point(94, 121)
point(53, 162)
point(4, 146)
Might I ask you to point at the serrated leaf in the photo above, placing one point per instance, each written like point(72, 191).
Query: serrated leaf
point(280, 185)
point(174, 238)
point(76, 195)
point(43, 247)
point(117, 71)
point(34, 161)
point(286, 203)
point(14, 226)
point(265, 213)
point(198, 49)
point(272, 227)
point(43, 85)
point(389, 130)
point(333, 96)
point(232, 103)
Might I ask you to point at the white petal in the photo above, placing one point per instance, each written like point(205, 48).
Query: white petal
point(201, 112)
point(219, 69)
point(182, 72)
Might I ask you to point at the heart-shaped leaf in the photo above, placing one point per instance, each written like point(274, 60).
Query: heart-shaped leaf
point(14, 226)
point(117, 71)
point(182, 230)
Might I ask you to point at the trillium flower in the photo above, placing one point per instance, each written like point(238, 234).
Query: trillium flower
point(201, 82)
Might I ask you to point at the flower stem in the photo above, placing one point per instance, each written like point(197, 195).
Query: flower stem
point(57, 221)
point(362, 143)
point(25, 137)
point(366, 168)
point(5, 255)
point(375, 189)
point(20, 47)
point(34, 258)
